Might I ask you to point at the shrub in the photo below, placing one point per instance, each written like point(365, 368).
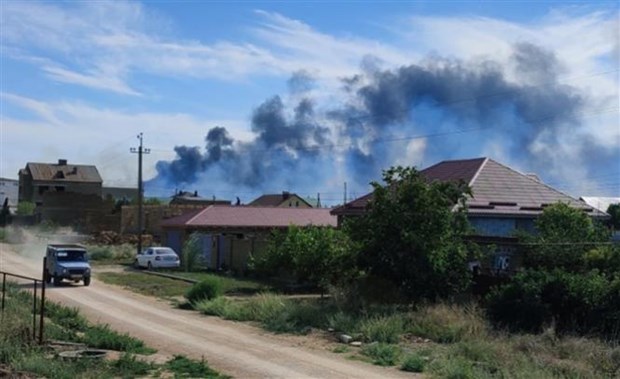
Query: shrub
point(102, 337)
point(343, 322)
point(448, 323)
point(382, 354)
point(191, 253)
point(184, 367)
point(127, 366)
point(224, 308)
point(386, 329)
point(573, 302)
point(100, 253)
point(208, 289)
point(413, 363)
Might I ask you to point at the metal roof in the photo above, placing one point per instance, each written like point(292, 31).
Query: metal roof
point(600, 203)
point(219, 216)
point(64, 172)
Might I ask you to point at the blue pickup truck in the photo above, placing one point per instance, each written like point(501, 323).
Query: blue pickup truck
point(68, 262)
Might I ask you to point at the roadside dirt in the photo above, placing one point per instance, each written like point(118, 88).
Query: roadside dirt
point(232, 348)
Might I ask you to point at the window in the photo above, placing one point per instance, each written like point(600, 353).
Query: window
point(43, 189)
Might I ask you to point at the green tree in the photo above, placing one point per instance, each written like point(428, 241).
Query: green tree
point(191, 253)
point(564, 236)
point(25, 208)
point(320, 255)
point(412, 235)
point(614, 211)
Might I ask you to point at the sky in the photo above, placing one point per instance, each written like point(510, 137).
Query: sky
point(240, 98)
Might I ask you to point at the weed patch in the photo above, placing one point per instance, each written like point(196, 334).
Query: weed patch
point(413, 363)
point(186, 368)
point(102, 337)
point(382, 354)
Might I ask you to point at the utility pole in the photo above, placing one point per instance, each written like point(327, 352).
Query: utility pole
point(140, 150)
point(345, 193)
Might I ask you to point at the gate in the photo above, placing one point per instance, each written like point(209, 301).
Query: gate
point(37, 283)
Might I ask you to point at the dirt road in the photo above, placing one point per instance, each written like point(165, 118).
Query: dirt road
point(232, 348)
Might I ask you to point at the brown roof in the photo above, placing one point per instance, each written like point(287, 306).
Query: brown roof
point(274, 200)
point(218, 216)
point(496, 189)
point(64, 172)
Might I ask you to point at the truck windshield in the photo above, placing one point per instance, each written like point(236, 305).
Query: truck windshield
point(71, 256)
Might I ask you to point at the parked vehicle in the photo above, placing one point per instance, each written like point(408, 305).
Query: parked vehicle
point(157, 257)
point(68, 262)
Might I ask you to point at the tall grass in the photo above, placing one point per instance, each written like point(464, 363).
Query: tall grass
point(446, 323)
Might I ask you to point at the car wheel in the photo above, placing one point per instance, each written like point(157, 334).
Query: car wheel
point(57, 280)
point(48, 277)
point(87, 281)
point(149, 266)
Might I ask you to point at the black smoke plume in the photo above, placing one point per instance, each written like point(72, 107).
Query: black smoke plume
point(298, 144)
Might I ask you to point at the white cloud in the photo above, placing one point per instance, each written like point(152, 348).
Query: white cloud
point(86, 134)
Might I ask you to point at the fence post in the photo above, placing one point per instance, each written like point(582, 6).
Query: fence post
point(43, 283)
point(34, 311)
point(3, 292)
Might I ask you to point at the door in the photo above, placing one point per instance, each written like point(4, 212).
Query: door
point(173, 240)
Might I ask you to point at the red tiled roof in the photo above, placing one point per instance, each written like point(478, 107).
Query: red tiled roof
point(496, 189)
point(252, 217)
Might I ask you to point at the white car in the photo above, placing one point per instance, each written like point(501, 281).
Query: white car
point(157, 257)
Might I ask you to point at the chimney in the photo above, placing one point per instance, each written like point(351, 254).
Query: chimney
point(195, 193)
point(285, 195)
point(62, 162)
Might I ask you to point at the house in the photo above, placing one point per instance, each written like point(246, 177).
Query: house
point(229, 235)
point(9, 189)
point(503, 201)
point(192, 198)
point(602, 204)
point(284, 200)
point(38, 179)
point(599, 202)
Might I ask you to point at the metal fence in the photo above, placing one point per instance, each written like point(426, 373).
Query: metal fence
point(38, 286)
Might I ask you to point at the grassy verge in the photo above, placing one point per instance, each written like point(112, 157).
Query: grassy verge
point(111, 254)
point(149, 285)
point(19, 354)
point(443, 341)
point(152, 285)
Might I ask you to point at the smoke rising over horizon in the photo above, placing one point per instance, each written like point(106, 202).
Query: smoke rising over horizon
point(417, 114)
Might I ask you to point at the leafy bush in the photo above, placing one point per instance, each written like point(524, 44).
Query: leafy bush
point(25, 208)
point(572, 302)
point(208, 289)
point(382, 354)
point(448, 323)
point(100, 253)
point(319, 255)
point(343, 322)
point(191, 253)
point(386, 329)
point(413, 363)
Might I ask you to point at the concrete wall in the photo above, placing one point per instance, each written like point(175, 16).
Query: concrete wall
point(153, 216)
point(85, 212)
point(9, 189)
